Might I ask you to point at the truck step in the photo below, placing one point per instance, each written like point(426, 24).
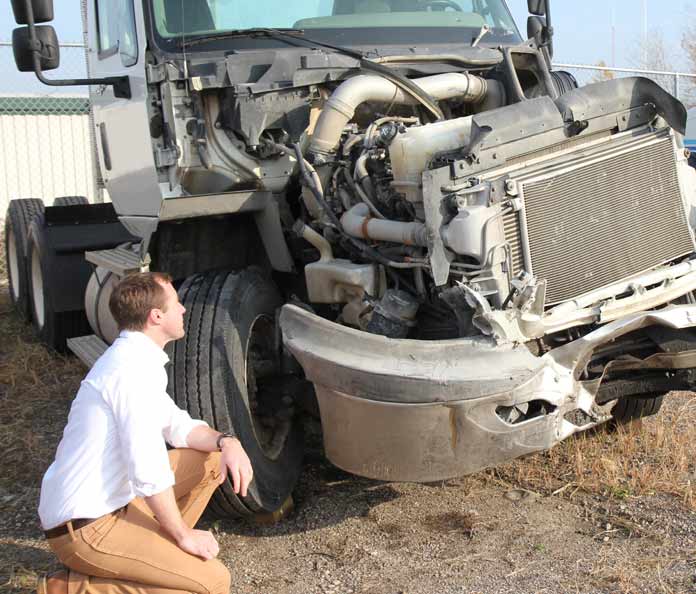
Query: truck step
point(87, 348)
point(119, 260)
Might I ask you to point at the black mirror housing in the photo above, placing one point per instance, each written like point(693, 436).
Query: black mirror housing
point(536, 7)
point(48, 42)
point(535, 28)
point(42, 9)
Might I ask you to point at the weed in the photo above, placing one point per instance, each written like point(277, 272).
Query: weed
point(652, 456)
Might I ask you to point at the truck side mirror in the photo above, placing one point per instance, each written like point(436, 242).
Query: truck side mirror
point(42, 9)
point(47, 41)
point(536, 7)
point(36, 48)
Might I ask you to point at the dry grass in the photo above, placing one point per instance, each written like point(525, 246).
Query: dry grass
point(654, 455)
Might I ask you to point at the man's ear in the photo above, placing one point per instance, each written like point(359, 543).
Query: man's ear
point(154, 317)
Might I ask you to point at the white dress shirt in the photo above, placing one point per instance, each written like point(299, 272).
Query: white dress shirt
point(113, 447)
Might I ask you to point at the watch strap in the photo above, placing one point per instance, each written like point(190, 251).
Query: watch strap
point(222, 436)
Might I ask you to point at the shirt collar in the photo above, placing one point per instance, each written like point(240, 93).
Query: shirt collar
point(146, 344)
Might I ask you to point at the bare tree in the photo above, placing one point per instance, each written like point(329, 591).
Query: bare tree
point(602, 75)
point(655, 54)
point(689, 46)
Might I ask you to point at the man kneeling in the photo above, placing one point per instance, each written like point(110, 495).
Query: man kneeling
point(117, 509)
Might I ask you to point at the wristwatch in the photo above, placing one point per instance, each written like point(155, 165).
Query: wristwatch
point(222, 436)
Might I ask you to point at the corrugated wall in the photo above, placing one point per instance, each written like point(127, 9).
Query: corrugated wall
point(44, 156)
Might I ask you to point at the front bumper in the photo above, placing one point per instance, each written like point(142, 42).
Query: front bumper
point(410, 410)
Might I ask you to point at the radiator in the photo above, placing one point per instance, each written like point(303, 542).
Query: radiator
point(590, 222)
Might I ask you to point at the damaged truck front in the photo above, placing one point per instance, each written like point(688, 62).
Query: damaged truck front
point(468, 256)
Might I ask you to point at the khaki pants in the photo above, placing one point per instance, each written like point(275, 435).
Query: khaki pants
point(127, 552)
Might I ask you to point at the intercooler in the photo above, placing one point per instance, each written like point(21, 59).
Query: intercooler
point(591, 220)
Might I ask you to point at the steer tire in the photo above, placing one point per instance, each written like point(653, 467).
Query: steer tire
point(70, 201)
point(17, 220)
point(53, 327)
point(225, 372)
point(632, 408)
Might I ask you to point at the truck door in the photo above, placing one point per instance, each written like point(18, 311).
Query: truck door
point(117, 44)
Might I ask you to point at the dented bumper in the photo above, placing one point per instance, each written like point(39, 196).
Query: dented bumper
point(422, 411)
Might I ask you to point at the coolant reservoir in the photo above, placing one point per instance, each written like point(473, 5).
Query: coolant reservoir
point(339, 281)
point(411, 151)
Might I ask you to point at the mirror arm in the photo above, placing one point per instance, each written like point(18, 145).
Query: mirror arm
point(121, 84)
point(549, 25)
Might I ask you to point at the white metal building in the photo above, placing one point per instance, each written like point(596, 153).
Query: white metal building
point(45, 148)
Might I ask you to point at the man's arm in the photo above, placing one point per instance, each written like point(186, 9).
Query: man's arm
point(195, 542)
point(234, 458)
point(138, 420)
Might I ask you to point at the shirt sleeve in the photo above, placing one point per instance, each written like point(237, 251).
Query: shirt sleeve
point(180, 424)
point(140, 421)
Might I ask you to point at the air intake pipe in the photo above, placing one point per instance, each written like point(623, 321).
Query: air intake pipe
point(357, 222)
point(341, 106)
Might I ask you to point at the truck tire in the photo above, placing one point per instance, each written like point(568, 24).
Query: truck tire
point(52, 327)
point(19, 216)
point(224, 371)
point(632, 408)
point(70, 201)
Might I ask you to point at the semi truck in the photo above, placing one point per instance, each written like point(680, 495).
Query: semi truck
point(395, 213)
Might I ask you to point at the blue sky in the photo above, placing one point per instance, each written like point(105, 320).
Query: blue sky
point(583, 29)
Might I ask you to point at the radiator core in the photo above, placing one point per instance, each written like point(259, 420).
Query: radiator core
point(597, 223)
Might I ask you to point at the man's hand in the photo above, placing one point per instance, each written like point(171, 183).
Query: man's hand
point(200, 543)
point(195, 542)
point(236, 461)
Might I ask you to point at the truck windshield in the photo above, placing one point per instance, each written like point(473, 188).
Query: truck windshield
point(356, 21)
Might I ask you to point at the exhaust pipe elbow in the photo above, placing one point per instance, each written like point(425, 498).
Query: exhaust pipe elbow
point(341, 106)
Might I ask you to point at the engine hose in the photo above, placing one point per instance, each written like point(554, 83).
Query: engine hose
point(363, 248)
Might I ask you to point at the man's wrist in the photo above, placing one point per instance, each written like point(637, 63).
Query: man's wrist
point(223, 439)
point(179, 532)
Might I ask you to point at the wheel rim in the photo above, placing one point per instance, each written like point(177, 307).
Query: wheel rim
point(13, 257)
point(271, 412)
point(37, 289)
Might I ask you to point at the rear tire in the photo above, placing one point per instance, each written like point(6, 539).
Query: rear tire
point(632, 408)
point(19, 216)
point(70, 201)
point(225, 372)
point(53, 327)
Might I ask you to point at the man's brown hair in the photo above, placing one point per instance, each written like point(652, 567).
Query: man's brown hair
point(134, 297)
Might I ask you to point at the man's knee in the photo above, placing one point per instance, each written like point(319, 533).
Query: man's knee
point(187, 459)
point(212, 460)
point(218, 578)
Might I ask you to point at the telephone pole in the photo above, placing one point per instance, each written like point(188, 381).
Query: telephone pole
point(645, 33)
point(613, 36)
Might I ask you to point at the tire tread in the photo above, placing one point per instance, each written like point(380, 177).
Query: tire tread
point(220, 307)
point(631, 408)
point(20, 213)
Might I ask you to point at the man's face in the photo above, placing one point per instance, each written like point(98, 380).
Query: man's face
point(171, 316)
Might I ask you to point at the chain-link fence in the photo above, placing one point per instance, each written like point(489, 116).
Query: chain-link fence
point(45, 143)
point(680, 84)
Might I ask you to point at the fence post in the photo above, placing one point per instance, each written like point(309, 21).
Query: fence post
point(676, 85)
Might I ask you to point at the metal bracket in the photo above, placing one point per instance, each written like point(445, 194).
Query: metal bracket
point(155, 73)
point(120, 260)
point(165, 157)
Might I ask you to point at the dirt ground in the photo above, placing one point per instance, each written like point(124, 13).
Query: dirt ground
point(601, 513)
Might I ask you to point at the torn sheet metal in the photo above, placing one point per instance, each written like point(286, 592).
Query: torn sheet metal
point(424, 411)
